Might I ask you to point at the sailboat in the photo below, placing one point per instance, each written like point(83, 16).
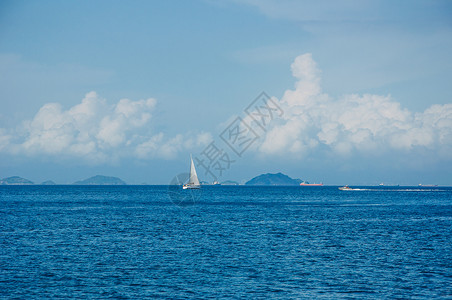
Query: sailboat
point(193, 182)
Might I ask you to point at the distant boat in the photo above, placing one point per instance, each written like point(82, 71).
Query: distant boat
point(346, 188)
point(193, 182)
point(305, 183)
point(428, 185)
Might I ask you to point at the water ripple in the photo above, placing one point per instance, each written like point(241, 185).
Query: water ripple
point(129, 243)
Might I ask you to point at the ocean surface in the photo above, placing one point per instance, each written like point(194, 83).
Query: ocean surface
point(135, 242)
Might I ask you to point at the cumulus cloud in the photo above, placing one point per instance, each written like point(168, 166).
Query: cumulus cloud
point(370, 124)
point(313, 122)
point(97, 131)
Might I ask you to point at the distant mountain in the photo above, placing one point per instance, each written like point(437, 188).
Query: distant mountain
point(15, 180)
point(101, 180)
point(48, 182)
point(273, 179)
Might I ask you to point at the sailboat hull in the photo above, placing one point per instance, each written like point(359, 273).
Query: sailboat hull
point(190, 187)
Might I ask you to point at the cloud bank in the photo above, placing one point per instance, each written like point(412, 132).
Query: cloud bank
point(96, 131)
point(367, 124)
point(314, 124)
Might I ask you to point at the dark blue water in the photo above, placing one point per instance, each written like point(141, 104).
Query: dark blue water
point(232, 242)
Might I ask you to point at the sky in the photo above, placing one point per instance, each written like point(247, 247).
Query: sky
point(339, 92)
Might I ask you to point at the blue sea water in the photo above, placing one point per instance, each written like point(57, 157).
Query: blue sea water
point(134, 242)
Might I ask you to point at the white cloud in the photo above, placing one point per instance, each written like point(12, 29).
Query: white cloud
point(334, 11)
point(4, 139)
point(157, 146)
point(304, 10)
point(312, 122)
point(96, 131)
point(370, 124)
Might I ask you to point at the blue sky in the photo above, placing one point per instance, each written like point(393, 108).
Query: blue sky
point(129, 89)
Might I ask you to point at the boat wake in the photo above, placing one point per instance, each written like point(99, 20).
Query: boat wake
point(394, 190)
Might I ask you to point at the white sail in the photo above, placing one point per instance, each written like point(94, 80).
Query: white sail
point(193, 176)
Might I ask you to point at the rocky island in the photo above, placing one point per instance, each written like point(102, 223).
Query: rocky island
point(273, 179)
point(15, 180)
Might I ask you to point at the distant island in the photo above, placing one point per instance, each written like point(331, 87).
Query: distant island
point(15, 180)
point(273, 179)
point(100, 180)
point(48, 182)
point(269, 179)
point(229, 182)
point(95, 180)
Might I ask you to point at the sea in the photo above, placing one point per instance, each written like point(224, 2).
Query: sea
point(225, 242)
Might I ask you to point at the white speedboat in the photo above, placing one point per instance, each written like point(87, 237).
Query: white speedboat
point(346, 188)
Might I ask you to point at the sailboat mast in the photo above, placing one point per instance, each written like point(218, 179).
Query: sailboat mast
point(192, 172)
point(189, 174)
